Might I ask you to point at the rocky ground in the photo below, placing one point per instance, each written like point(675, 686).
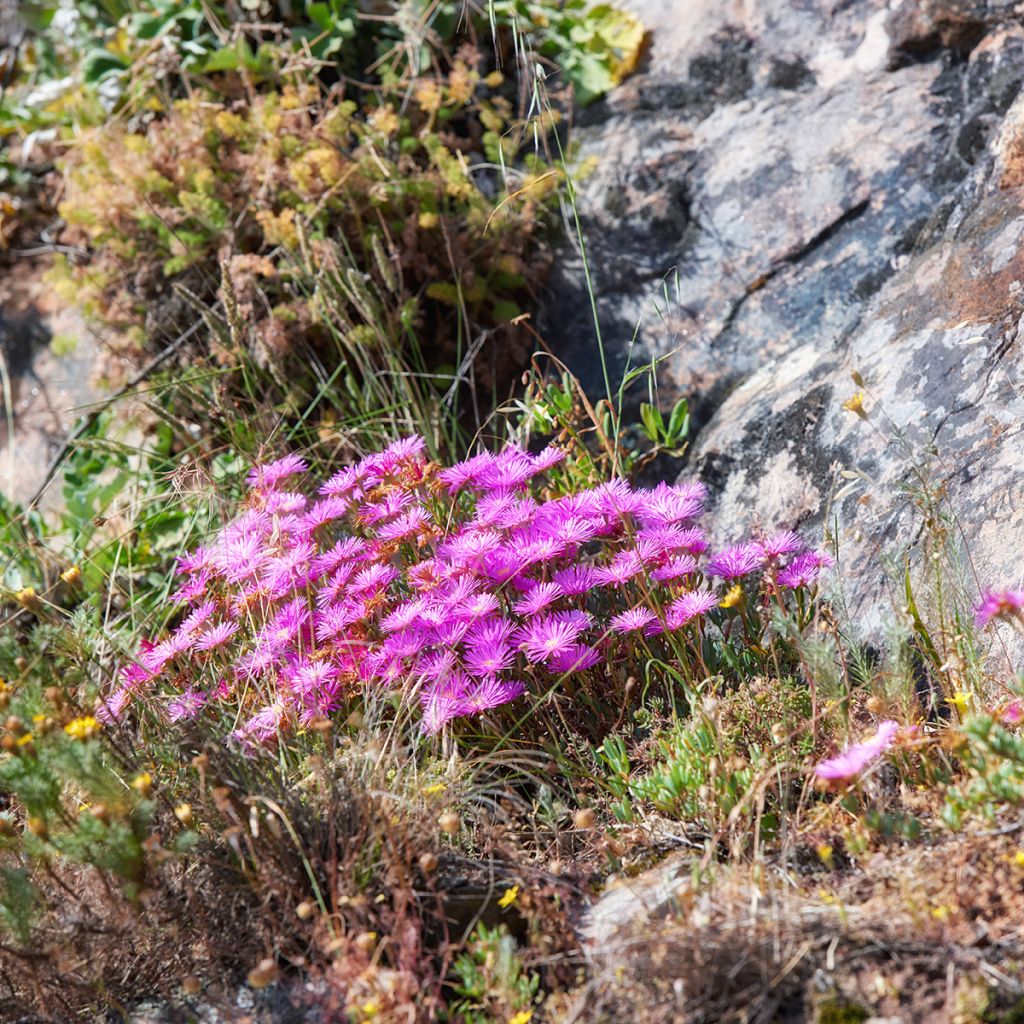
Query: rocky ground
point(801, 192)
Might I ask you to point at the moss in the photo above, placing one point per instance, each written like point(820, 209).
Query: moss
point(841, 1011)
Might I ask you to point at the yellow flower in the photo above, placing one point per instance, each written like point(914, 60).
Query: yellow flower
point(509, 897)
point(1018, 858)
point(437, 787)
point(72, 576)
point(428, 220)
point(855, 404)
point(523, 1017)
point(82, 728)
point(824, 852)
point(143, 784)
point(733, 597)
point(29, 600)
point(960, 700)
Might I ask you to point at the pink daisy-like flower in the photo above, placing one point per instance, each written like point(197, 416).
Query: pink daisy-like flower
point(265, 725)
point(186, 705)
point(216, 636)
point(689, 607)
point(675, 568)
point(109, 709)
point(575, 658)
point(737, 561)
point(780, 544)
point(488, 659)
point(537, 599)
point(804, 570)
point(855, 759)
point(622, 568)
point(269, 476)
point(635, 618)
point(999, 604)
point(576, 579)
point(547, 637)
point(489, 693)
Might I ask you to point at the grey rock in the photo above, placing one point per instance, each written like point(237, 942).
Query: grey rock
point(797, 192)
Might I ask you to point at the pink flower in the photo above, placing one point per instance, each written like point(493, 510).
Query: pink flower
point(269, 476)
point(635, 618)
point(186, 705)
point(543, 639)
point(687, 608)
point(855, 759)
point(575, 658)
point(780, 544)
point(804, 569)
point(999, 604)
point(737, 561)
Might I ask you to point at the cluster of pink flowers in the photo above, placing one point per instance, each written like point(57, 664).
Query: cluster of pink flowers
point(464, 586)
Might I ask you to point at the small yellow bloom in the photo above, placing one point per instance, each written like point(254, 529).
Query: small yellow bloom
point(82, 728)
point(29, 600)
point(824, 852)
point(143, 784)
point(509, 897)
point(523, 1017)
point(370, 1009)
point(855, 404)
point(1018, 858)
point(494, 79)
point(733, 597)
point(437, 787)
point(428, 220)
point(72, 575)
point(941, 913)
point(960, 700)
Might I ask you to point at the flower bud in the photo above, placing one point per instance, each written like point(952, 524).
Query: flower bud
point(72, 576)
point(183, 812)
point(584, 818)
point(263, 974)
point(14, 725)
point(875, 705)
point(143, 784)
point(305, 910)
point(428, 863)
point(450, 823)
point(37, 826)
point(366, 942)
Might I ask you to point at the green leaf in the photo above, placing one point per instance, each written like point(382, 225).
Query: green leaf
point(100, 63)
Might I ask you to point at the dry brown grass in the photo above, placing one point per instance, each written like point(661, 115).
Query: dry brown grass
point(924, 933)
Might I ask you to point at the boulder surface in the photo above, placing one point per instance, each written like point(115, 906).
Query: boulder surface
point(788, 194)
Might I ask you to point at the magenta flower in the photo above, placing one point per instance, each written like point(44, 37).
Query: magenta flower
point(537, 599)
point(186, 706)
point(779, 544)
point(576, 579)
point(855, 759)
point(804, 570)
point(737, 561)
point(549, 636)
point(689, 607)
point(269, 476)
point(574, 658)
point(635, 618)
point(999, 604)
point(216, 636)
point(675, 568)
